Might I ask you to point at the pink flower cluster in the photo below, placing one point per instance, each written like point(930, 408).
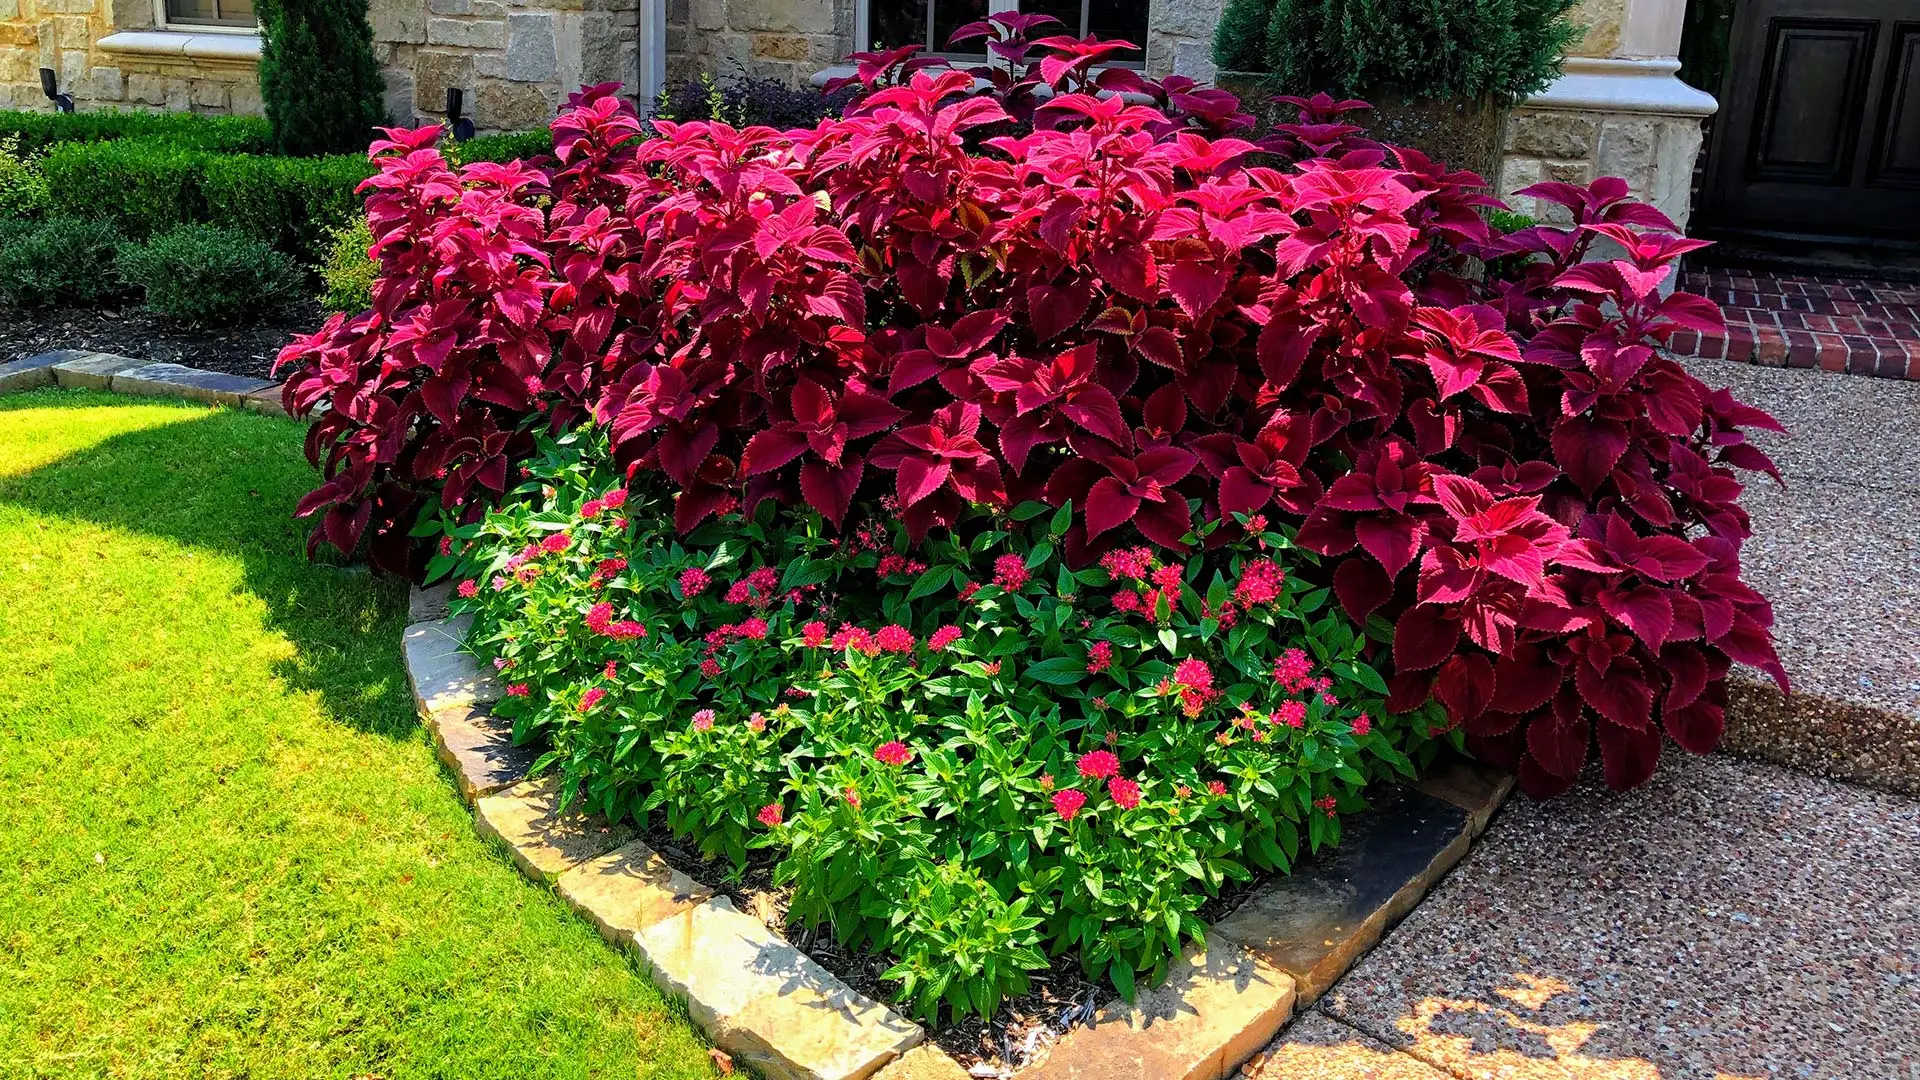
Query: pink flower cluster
point(894, 563)
point(1260, 583)
point(600, 620)
point(1010, 572)
point(757, 588)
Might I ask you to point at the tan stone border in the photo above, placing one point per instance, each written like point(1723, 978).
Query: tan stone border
point(771, 1007)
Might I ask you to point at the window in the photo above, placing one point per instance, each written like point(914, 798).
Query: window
point(893, 23)
point(237, 14)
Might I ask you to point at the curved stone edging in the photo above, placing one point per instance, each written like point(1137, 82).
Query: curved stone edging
point(770, 1006)
point(81, 368)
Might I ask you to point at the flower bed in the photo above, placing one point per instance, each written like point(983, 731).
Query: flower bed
point(960, 751)
point(1030, 338)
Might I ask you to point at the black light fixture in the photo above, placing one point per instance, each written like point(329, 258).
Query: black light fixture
point(461, 126)
point(50, 86)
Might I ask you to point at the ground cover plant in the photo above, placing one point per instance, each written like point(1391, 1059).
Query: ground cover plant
point(952, 304)
point(230, 850)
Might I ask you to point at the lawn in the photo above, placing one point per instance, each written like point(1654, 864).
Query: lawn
point(226, 848)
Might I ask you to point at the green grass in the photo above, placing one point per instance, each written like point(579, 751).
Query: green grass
point(226, 848)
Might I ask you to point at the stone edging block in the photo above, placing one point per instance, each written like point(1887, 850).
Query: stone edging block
point(177, 380)
point(478, 748)
point(544, 842)
point(92, 371)
point(766, 1002)
point(34, 371)
point(443, 674)
point(776, 1010)
point(1217, 1007)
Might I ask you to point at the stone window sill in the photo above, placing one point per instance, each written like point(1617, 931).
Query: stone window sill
point(233, 48)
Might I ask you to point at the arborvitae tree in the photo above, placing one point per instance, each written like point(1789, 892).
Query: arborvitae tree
point(1240, 41)
point(1420, 48)
point(318, 78)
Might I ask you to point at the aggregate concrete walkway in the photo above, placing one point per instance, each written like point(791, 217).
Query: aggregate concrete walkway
point(1730, 919)
point(1733, 918)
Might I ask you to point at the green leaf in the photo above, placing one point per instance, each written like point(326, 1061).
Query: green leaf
point(1058, 671)
point(930, 582)
point(1041, 552)
point(1062, 519)
point(1122, 976)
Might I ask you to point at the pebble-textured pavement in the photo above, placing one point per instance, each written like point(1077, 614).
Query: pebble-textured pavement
point(1729, 919)
point(1838, 553)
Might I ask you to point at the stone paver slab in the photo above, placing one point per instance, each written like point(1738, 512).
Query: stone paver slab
point(923, 1062)
point(1314, 923)
point(1477, 788)
point(478, 748)
point(444, 675)
point(193, 384)
point(1215, 1010)
point(265, 401)
point(763, 1001)
point(428, 604)
point(1728, 919)
point(543, 842)
point(1318, 1047)
point(627, 890)
point(29, 372)
point(92, 371)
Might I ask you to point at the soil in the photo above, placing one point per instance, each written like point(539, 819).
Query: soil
point(1018, 1033)
point(142, 335)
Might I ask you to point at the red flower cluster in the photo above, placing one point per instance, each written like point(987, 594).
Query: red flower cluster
point(1099, 764)
point(892, 753)
point(1099, 657)
point(1067, 802)
point(600, 620)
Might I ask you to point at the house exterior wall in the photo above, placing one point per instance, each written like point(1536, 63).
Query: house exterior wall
point(107, 55)
point(784, 40)
point(515, 60)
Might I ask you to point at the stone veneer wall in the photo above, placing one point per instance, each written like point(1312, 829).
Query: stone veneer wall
point(65, 35)
point(517, 60)
point(785, 40)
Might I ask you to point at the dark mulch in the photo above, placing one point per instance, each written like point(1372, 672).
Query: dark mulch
point(1019, 1031)
point(134, 332)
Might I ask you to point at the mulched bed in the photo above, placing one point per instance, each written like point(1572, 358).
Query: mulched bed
point(1019, 1032)
point(137, 333)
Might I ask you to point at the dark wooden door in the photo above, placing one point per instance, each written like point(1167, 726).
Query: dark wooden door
point(1819, 125)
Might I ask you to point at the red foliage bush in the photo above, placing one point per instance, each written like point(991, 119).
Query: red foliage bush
point(950, 297)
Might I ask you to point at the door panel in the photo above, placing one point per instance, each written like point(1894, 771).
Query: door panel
point(1897, 158)
point(1819, 125)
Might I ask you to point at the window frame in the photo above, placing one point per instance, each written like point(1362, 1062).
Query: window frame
point(863, 29)
point(163, 21)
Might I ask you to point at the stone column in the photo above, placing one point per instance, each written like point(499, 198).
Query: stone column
point(1617, 109)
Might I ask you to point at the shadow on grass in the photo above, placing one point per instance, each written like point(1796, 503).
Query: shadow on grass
point(225, 482)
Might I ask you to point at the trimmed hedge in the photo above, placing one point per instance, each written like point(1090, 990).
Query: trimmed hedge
point(147, 186)
point(505, 147)
point(222, 134)
point(210, 276)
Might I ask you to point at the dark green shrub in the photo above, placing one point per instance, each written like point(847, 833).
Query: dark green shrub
point(149, 185)
point(291, 203)
point(227, 134)
point(206, 274)
point(348, 272)
point(1470, 49)
point(66, 261)
point(318, 78)
point(1240, 41)
point(508, 146)
point(141, 185)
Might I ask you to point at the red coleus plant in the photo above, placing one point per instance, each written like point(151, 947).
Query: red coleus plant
point(1051, 291)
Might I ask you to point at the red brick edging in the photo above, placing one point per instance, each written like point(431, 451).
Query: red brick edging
point(1855, 325)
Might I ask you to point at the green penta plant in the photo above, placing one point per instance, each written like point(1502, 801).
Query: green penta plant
point(962, 754)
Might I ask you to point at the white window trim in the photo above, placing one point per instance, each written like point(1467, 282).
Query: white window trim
point(160, 23)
